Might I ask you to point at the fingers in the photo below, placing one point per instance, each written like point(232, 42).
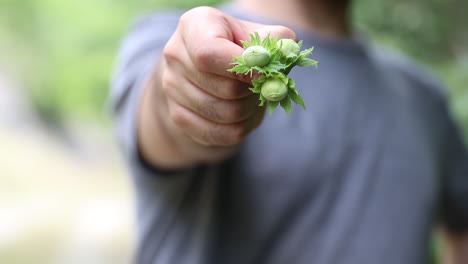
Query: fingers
point(216, 57)
point(207, 36)
point(207, 42)
point(206, 102)
point(221, 87)
point(210, 133)
point(212, 42)
point(216, 85)
point(212, 108)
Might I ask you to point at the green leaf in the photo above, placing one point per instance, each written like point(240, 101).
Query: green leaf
point(272, 106)
point(296, 98)
point(276, 54)
point(239, 69)
point(246, 44)
point(239, 60)
point(306, 53)
point(266, 43)
point(272, 68)
point(282, 77)
point(262, 100)
point(307, 62)
point(300, 43)
point(259, 81)
point(286, 104)
point(258, 69)
point(257, 88)
point(255, 39)
point(291, 84)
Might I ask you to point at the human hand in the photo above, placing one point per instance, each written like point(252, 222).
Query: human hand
point(197, 98)
point(212, 106)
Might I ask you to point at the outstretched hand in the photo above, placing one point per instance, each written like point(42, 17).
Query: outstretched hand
point(204, 110)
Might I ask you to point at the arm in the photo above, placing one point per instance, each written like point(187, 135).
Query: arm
point(193, 111)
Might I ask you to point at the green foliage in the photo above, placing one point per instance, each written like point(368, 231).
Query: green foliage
point(431, 31)
point(279, 67)
point(456, 79)
point(426, 29)
point(64, 50)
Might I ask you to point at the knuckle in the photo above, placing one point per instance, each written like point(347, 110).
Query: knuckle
point(176, 114)
point(211, 112)
point(197, 13)
point(166, 83)
point(186, 17)
point(233, 90)
point(237, 134)
point(202, 58)
point(286, 32)
point(205, 11)
point(169, 52)
point(234, 112)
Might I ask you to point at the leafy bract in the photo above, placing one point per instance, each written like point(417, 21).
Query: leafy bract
point(278, 68)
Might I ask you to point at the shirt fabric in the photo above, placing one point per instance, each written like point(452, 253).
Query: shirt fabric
point(360, 177)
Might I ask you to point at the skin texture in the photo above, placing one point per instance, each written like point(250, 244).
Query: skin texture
point(193, 111)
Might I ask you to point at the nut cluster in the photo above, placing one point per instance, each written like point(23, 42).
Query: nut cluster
point(273, 59)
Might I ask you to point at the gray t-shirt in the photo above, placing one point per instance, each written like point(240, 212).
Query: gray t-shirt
point(360, 177)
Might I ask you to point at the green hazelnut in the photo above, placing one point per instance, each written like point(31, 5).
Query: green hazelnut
point(256, 56)
point(274, 90)
point(289, 47)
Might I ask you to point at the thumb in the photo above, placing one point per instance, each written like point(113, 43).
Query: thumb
point(263, 30)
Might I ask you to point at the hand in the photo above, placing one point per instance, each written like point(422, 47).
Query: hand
point(204, 110)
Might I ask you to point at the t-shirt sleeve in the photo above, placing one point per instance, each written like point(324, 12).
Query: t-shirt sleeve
point(136, 60)
point(454, 180)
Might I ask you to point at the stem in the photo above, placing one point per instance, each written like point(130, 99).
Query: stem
point(287, 70)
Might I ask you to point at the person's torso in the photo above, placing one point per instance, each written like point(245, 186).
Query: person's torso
point(353, 179)
point(350, 180)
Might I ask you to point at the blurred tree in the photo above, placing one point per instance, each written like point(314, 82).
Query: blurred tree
point(428, 29)
point(65, 49)
point(432, 31)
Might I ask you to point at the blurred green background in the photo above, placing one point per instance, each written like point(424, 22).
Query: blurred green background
point(63, 182)
point(63, 50)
